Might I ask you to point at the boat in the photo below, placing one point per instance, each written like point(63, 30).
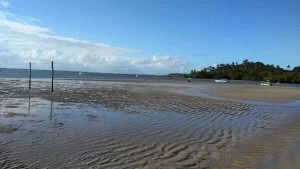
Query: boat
point(136, 75)
point(221, 81)
point(189, 79)
point(266, 83)
point(80, 73)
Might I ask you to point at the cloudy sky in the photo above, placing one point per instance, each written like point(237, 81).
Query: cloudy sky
point(154, 37)
point(23, 40)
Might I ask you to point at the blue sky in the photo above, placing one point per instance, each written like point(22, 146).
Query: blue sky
point(154, 37)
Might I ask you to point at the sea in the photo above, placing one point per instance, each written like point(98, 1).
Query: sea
point(60, 74)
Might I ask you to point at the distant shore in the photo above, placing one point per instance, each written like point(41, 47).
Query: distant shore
point(82, 75)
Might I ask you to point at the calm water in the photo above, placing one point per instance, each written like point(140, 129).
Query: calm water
point(24, 73)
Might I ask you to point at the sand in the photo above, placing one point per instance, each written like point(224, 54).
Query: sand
point(104, 124)
point(265, 94)
point(277, 148)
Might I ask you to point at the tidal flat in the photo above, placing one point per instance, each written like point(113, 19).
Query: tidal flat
point(142, 124)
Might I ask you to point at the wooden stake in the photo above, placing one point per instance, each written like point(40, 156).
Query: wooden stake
point(52, 75)
point(29, 75)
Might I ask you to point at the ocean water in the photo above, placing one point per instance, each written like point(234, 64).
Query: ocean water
point(24, 73)
point(58, 74)
point(39, 74)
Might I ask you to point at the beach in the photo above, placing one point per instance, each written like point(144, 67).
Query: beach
point(263, 94)
point(144, 124)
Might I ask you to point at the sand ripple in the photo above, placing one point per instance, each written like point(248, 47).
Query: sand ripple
point(124, 128)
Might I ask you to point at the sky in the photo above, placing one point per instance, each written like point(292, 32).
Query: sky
point(149, 36)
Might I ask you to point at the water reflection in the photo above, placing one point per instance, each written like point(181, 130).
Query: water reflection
point(51, 110)
point(29, 106)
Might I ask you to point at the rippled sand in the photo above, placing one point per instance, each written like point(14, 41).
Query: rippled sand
point(133, 125)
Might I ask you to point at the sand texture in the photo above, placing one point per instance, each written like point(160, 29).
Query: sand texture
point(104, 124)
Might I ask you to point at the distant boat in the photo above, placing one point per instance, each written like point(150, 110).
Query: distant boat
point(267, 83)
point(80, 73)
point(136, 75)
point(221, 81)
point(189, 79)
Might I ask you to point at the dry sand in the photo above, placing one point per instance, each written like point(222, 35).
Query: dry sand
point(130, 125)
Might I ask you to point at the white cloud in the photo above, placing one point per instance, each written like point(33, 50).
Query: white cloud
point(4, 4)
point(162, 62)
point(26, 42)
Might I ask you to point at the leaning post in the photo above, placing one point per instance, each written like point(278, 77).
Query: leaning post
point(52, 75)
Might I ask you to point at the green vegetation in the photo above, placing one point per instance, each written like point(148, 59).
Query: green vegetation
point(246, 70)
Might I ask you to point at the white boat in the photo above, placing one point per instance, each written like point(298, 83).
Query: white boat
point(190, 80)
point(267, 83)
point(221, 81)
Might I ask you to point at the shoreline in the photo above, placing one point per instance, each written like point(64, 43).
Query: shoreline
point(163, 79)
point(236, 91)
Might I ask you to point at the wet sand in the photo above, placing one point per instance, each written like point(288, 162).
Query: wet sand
point(287, 159)
point(276, 148)
point(264, 94)
point(103, 124)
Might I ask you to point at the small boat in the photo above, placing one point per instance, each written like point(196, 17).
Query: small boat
point(189, 79)
point(136, 75)
point(80, 73)
point(267, 83)
point(221, 81)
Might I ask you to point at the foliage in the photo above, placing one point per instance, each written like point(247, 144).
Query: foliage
point(246, 70)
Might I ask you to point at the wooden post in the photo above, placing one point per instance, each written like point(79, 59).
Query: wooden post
point(29, 75)
point(52, 75)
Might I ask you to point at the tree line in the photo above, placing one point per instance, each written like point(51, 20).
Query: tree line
point(247, 70)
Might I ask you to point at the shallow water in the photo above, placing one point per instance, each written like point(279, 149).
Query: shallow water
point(77, 135)
point(289, 159)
